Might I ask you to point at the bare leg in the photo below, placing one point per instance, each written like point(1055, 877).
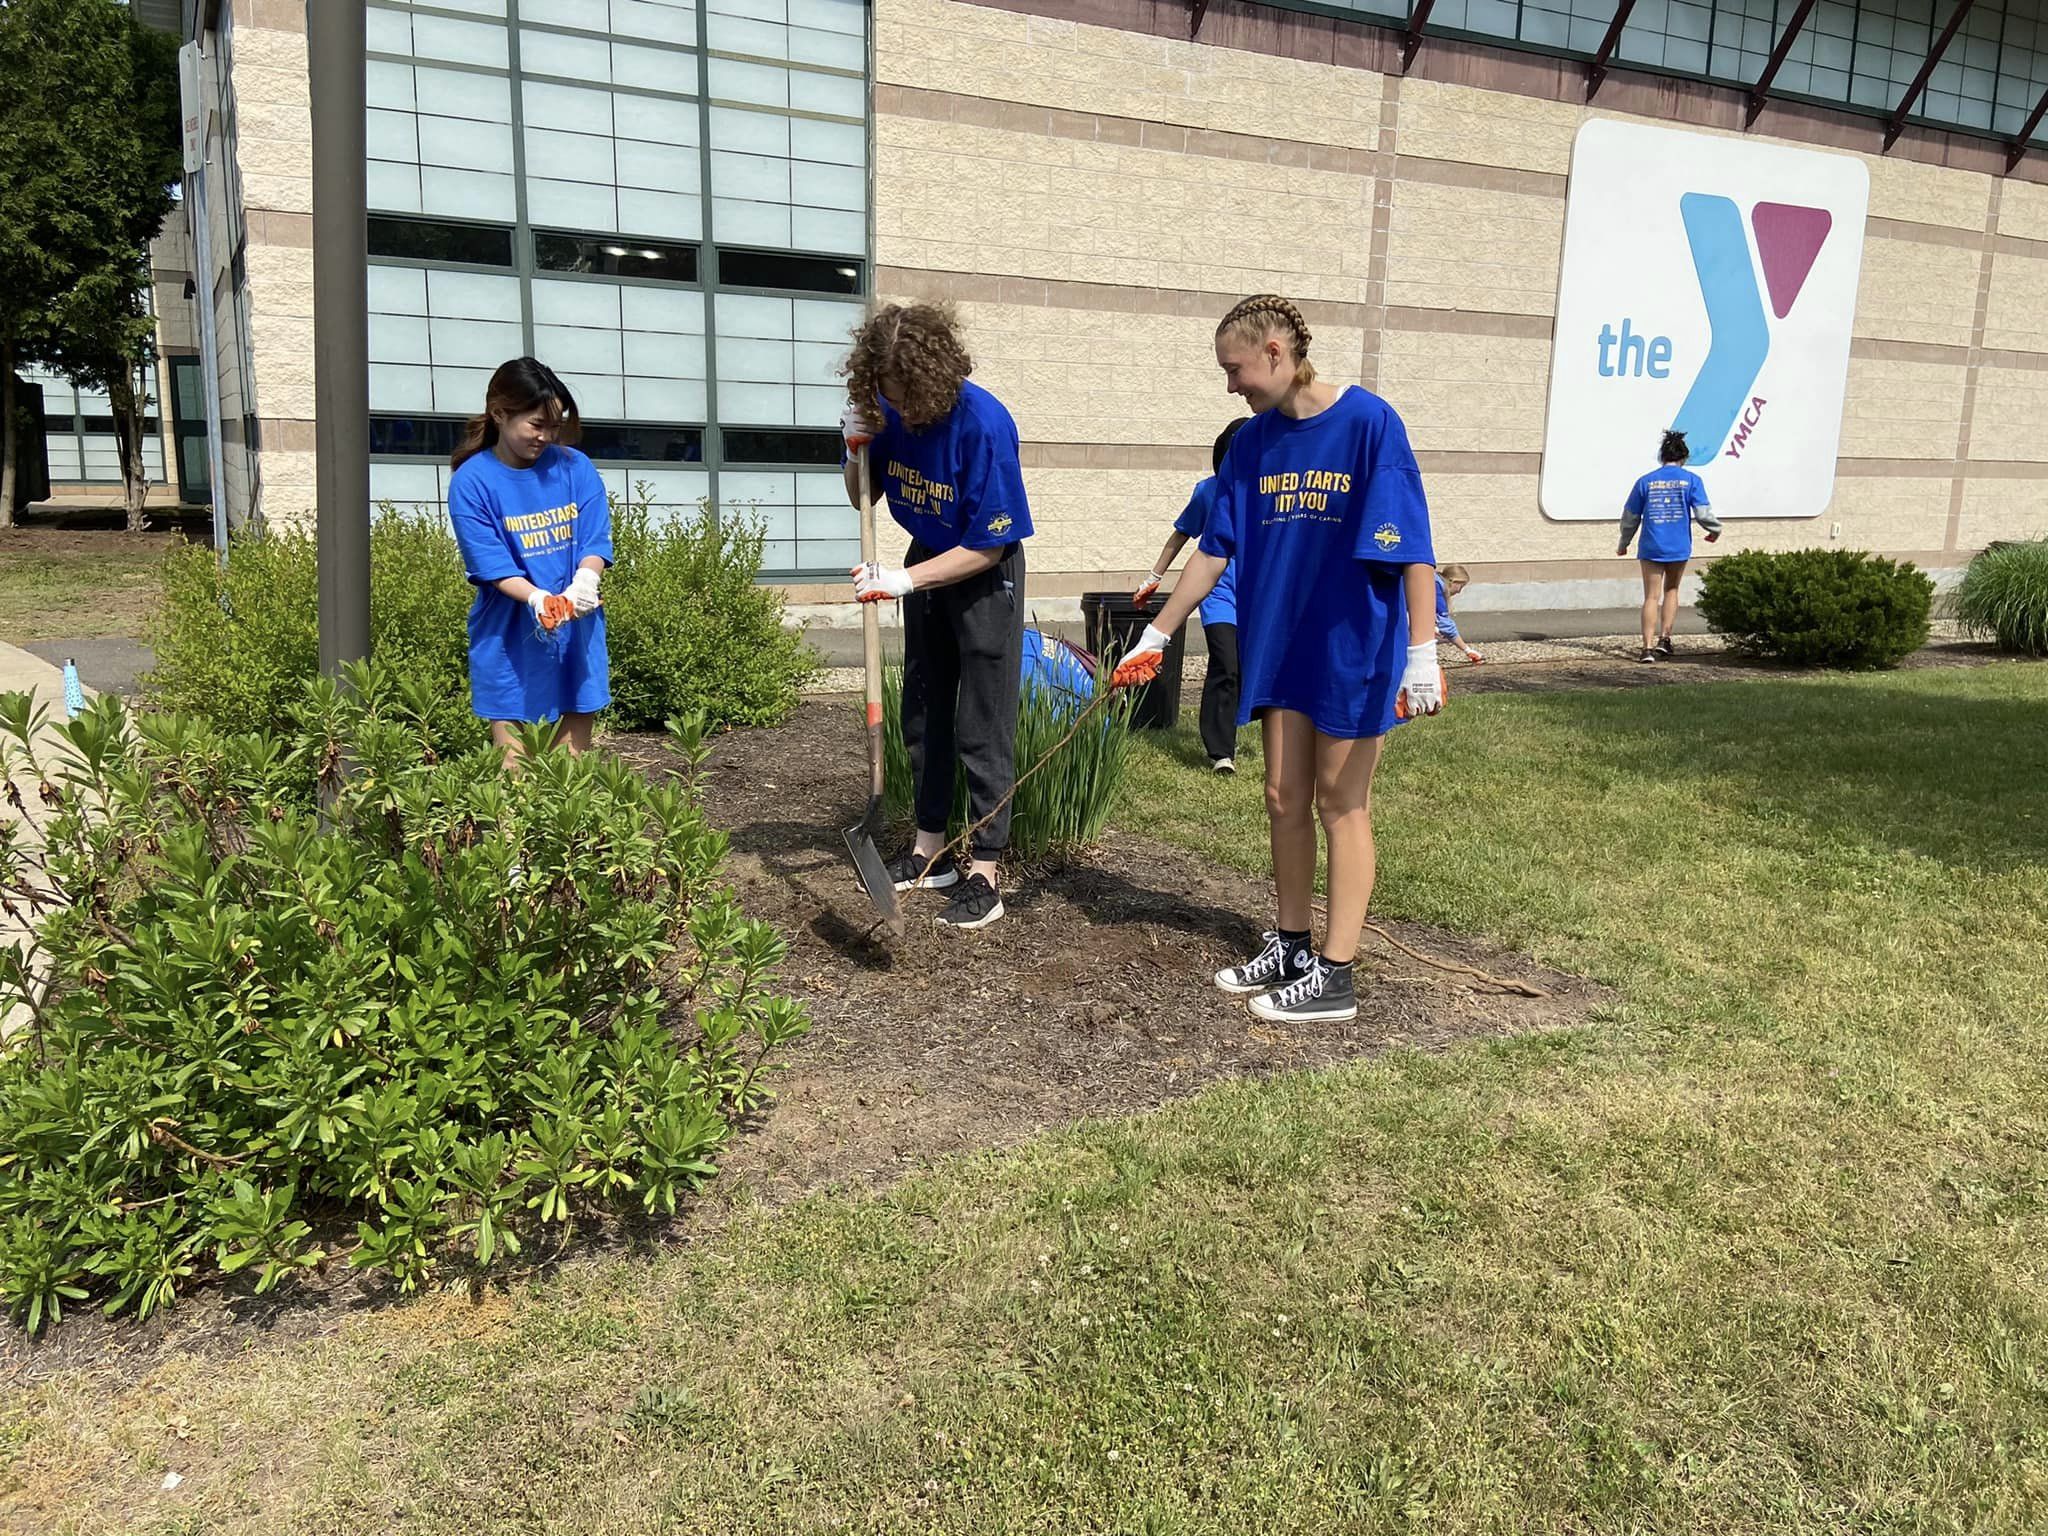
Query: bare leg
point(1653, 595)
point(1674, 574)
point(1344, 771)
point(1290, 808)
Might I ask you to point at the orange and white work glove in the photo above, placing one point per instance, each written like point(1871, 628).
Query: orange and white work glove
point(1142, 598)
point(879, 583)
point(582, 592)
point(1473, 656)
point(1141, 662)
point(1422, 683)
point(550, 610)
point(855, 428)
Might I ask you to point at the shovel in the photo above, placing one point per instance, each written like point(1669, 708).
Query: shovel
point(860, 838)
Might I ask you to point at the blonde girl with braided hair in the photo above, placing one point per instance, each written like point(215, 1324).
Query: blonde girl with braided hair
point(1319, 503)
point(944, 453)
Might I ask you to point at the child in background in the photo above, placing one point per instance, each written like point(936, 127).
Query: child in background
point(1450, 581)
point(535, 531)
point(1319, 501)
point(1664, 504)
point(1219, 617)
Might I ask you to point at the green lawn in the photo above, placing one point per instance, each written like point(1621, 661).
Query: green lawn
point(1763, 1250)
point(71, 586)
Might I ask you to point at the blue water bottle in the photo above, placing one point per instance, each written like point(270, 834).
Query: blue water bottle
point(74, 695)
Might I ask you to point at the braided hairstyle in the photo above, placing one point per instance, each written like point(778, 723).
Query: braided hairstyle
point(1673, 449)
point(917, 345)
point(1262, 315)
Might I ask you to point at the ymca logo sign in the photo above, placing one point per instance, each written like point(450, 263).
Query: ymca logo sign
point(1709, 284)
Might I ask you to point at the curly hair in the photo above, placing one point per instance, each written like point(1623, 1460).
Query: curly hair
point(1262, 315)
point(918, 347)
point(1673, 449)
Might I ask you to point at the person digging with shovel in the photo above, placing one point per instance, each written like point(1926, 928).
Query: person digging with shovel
point(1319, 501)
point(945, 452)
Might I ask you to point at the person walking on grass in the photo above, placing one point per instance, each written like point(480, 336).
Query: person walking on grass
point(1665, 504)
point(1450, 581)
point(535, 530)
point(1319, 501)
point(1219, 618)
point(944, 454)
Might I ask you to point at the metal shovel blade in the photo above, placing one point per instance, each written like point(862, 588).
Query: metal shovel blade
point(874, 875)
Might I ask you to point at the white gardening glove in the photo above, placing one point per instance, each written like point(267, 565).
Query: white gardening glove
point(582, 591)
point(1473, 656)
point(879, 583)
point(1142, 598)
point(537, 600)
point(856, 428)
point(1141, 661)
point(1422, 683)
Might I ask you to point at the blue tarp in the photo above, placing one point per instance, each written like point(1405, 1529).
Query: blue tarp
point(1055, 666)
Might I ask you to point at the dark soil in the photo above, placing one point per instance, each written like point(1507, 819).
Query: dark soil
point(1091, 997)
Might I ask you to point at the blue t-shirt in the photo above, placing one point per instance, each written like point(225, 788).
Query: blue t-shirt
point(957, 481)
point(1220, 606)
point(540, 523)
point(1321, 516)
point(1665, 500)
point(1446, 626)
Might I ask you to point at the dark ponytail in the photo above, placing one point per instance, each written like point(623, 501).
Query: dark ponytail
point(1223, 444)
point(1673, 449)
point(517, 387)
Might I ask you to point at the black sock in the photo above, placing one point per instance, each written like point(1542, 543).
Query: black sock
point(1340, 970)
point(1294, 938)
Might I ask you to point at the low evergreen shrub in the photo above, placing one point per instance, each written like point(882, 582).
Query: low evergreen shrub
point(1818, 607)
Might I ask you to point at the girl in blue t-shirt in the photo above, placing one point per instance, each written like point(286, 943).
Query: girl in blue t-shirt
point(1319, 502)
point(1219, 618)
point(1664, 504)
point(535, 530)
point(944, 453)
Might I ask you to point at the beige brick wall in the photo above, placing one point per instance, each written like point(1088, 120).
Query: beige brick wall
point(2023, 210)
point(2012, 415)
point(2016, 317)
point(1468, 248)
point(1467, 394)
point(1902, 410)
point(960, 198)
point(1102, 520)
point(1005, 56)
point(2003, 509)
point(1913, 291)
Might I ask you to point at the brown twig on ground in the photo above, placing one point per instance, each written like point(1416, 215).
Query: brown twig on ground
point(1520, 988)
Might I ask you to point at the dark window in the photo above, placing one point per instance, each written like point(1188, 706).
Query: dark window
point(425, 437)
point(106, 424)
point(479, 245)
point(614, 256)
point(782, 269)
point(651, 445)
point(238, 265)
point(780, 445)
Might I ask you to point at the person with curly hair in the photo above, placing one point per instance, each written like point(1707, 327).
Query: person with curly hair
point(1319, 501)
point(945, 456)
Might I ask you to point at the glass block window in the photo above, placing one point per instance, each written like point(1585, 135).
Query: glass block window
point(665, 202)
point(79, 437)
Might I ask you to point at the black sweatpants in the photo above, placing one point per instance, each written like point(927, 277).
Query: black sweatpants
point(1219, 692)
point(963, 650)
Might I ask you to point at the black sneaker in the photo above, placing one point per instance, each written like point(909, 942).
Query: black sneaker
point(1323, 994)
point(1663, 648)
point(1274, 966)
point(906, 872)
point(1649, 654)
point(977, 905)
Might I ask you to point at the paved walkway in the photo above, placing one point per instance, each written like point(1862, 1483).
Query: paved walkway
point(21, 672)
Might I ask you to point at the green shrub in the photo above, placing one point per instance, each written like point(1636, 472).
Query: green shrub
point(1059, 810)
point(691, 628)
point(688, 626)
point(1818, 607)
point(446, 1013)
point(2003, 597)
point(237, 647)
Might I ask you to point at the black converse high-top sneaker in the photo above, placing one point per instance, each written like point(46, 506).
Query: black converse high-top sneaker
point(1323, 994)
point(1277, 963)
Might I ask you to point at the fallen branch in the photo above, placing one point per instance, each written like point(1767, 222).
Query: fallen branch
point(1520, 988)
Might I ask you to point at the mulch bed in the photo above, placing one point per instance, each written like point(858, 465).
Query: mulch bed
point(1091, 997)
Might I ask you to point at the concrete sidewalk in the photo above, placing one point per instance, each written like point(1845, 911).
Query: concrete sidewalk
point(21, 672)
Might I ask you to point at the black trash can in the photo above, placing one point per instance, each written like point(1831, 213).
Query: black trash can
point(1113, 624)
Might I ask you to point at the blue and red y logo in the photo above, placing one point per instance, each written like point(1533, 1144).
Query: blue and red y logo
point(1788, 238)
